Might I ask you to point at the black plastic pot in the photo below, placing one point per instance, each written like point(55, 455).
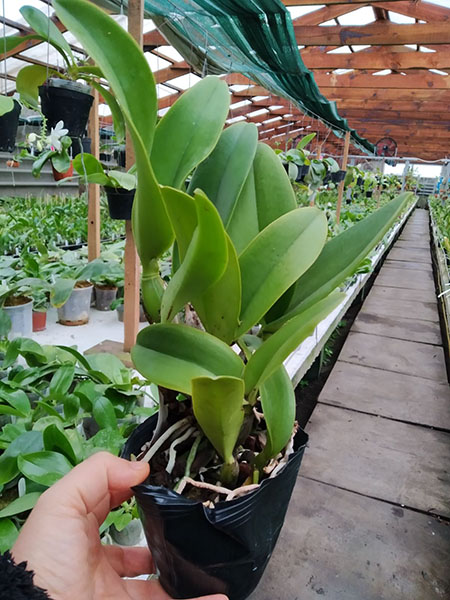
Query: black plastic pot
point(327, 178)
point(302, 171)
point(8, 128)
point(120, 202)
point(79, 146)
point(359, 181)
point(338, 176)
point(200, 550)
point(66, 101)
point(369, 194)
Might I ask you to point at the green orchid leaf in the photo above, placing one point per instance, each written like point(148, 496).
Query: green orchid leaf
point(71, 404)
point(116, 113)
point(6, 104)
point(44, 467)
point(61, 382)
point(8, 534)
point(271, 354)
point(30, 441)
point(28, 80)
point(47, 30)
point(40, 162)
point(61, 290)
point(220, 305)
point(205, 259)
point(222, 175)
point(189, 131)
point(56, 440)
point(340, 257)
point(266, 195)
point(86, 164)
point(123, 180)
point(278, 405)
point(172, 355)
point(218, 408)
point(17, 399)
point(305, 141)
point(10, 42)
point(61, 161)
point(104, 413)
point(5, 323)
point(128, 73)
point(20, 505)
point(276, 258)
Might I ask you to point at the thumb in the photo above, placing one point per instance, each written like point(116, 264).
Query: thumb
point(97, 485)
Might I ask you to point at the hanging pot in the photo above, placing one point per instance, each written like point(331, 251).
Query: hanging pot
point(104, 295)
point(67, 101)
point(359, 181)
point(20, 310)
point(338, 176)
point(225, 549)
point(120, 202)
point(302, 171)
point(57, 176)
point(80, 146)
point(76, 310)
point(8, 128)
point(39, 320)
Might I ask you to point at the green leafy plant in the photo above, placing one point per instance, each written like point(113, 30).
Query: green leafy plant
point(245, 258)
point(91, 170)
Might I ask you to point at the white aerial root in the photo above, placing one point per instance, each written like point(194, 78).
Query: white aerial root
point(242, 490)
point(288, 452)
point(165, 436)
point(173, 452)
point(203, 485)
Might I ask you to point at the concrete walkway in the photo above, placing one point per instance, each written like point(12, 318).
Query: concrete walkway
point(370, 515)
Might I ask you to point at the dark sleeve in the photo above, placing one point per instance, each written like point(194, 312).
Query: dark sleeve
point(16, 583)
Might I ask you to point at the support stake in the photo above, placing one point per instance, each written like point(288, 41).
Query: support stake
point(341, 183)
point(132, 266)
point(94, 188)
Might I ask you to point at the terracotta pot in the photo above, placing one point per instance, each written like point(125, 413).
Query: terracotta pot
point(57, 176)
point(39, 320)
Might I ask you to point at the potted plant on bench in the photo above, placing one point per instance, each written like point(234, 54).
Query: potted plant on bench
point(259, 275)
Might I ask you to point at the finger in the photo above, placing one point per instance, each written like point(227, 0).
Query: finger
point(143, 590)
point(97, 485)
point(129, 562)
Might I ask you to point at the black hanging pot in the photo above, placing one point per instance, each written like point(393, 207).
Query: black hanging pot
point(120, 202)
point(80, 146)
point(8, 128)
point(338, 176)
point(359, 181)
point(225, 549)
point(302, 171)
point(327, 178)
point(369, 194)
point(67, 101)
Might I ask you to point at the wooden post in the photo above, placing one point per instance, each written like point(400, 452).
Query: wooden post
point(93, 188)
point(341, 183)
point(132, 266)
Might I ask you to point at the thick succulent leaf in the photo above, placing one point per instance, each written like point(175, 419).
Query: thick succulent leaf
point(243, 226)
point(46, 29)
point(6, 105)
point(116, 113)
point(127, 71)
point(86, 164)
point(219, 306)
point(222, 175)
point(278, 405)
point(305, 141)
point(172, 355)
point(12, 41)
point(205, 260)
point(183, 217)
point(271, 354)
point(340, 257)
point(266, 195)
point(218, 408)
point(189, 131)
point(28, 81)
point(276, 258)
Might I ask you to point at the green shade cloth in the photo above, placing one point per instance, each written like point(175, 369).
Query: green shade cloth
point(252, 37)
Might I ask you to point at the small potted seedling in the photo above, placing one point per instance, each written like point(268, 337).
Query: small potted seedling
point(106, 286)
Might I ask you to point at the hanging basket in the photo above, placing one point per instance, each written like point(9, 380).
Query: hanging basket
point(8, 128)
point(120, 202)
point(67, 101)
point(338, 176)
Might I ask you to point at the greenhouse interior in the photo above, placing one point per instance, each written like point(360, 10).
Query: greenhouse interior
point(225, 299)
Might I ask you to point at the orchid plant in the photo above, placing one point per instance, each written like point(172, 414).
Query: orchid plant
point(257, 271)
point(53, 147)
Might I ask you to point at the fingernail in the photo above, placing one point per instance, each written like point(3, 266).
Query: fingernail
point(138, 465)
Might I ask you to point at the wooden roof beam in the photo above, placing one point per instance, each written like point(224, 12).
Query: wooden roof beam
point(378, 60)
point(172, 72)
point(355, 3)
point(378, 33)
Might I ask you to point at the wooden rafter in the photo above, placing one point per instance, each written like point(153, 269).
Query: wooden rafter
point(378, 60)
point(378, 33)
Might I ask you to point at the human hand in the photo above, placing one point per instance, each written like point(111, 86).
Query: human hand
point(61, 543)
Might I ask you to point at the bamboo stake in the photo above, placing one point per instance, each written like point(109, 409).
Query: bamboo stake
point(341, 183)
point(94, 188)
point(132, 266)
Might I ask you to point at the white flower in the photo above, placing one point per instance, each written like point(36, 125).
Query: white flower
point(55, 136)
point(32, 137)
